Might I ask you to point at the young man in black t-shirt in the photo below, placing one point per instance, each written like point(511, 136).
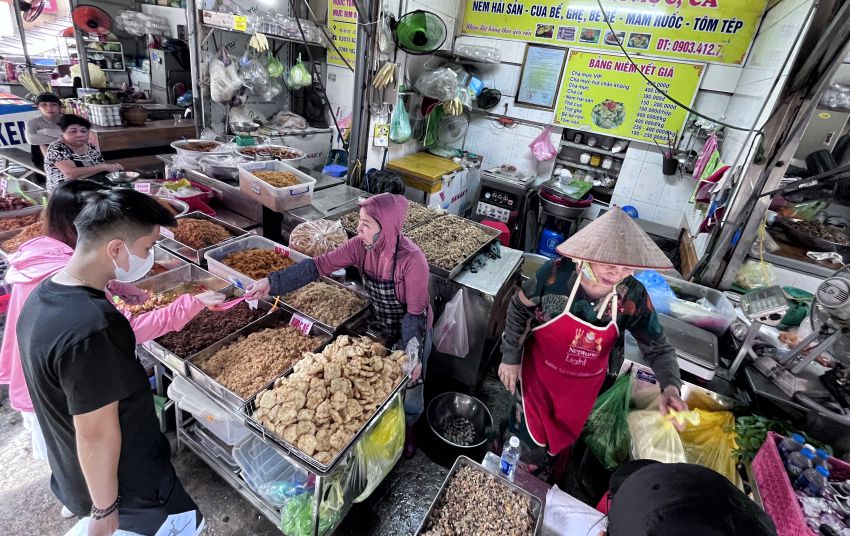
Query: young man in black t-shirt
point(92, 396)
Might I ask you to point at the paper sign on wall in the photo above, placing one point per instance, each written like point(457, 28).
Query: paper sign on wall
point(342, 22)
point(717, 31)
point(605, 93)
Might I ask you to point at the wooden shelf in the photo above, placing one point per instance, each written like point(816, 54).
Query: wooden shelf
point(598, 150)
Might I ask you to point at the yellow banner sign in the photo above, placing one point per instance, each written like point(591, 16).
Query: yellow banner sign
point(342, 21)
point(606, 93)
point(716, 31)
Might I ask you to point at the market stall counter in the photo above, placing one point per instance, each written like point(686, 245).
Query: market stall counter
point(136, 147)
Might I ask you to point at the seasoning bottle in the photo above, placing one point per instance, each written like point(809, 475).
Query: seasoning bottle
point(577, 138)
point(591, 141)
point(595, 160)
point(584, 158)
point(607, 162)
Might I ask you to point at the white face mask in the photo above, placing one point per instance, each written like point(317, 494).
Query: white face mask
point(138, 267)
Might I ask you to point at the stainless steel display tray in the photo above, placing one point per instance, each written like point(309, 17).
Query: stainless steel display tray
point(350, 321)
point(450, 274)
point(188, 273)
point(319, 468)
point(177, 362)
point(462, 461)
point(191, 254)
point(276, 318)
point(167, 260)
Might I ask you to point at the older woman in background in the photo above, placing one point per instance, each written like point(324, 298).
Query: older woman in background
point(72, 157)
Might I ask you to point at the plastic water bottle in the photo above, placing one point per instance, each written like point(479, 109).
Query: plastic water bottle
point(510, 457)
point(791, 444)
point(812, 482)
point(798, 462)
point(822, 459)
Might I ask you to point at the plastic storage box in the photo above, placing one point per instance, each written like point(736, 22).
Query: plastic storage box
point(216, 267)
point(224, 425)
point(213, 447)
point(716, 321)
point(261, 464)
point(277, 199)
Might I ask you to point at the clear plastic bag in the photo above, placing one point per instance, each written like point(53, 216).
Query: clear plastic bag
point(279, 492)
point(542, 148)
point(450, 332)
point(317, 237)
point(381, 447)
point(755, 274)
point(606, 430)
point(654, 437)
point(439, 84)
point(712, 443)
point(400, 130)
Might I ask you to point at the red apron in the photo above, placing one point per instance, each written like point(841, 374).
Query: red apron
point(563, 367)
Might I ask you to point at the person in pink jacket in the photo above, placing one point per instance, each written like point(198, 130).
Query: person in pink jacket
point(395, 274)
point(40, 258)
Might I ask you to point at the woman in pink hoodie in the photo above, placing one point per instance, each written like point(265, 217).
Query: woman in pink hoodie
point(395, 274)
point(40, 258)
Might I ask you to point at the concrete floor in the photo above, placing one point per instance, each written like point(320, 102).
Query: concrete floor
point(27, 506)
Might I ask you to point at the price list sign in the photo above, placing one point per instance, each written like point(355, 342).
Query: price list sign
point(606, 93)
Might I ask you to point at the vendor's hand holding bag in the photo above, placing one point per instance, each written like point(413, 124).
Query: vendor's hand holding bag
point(450, 333)
point(654, 437)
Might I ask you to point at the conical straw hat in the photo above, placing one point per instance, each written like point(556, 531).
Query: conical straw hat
point(614, 238)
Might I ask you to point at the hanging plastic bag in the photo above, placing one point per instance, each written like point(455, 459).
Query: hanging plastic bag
point(273, 65)
point(654, 437)
point(381, 447)
point(606, 430)
point(317, 237)
point(299, 76)
point(400, 130)
point(542, 147)
point(296, 516)
point(450, 332)
point(712, 443)
point(439, 84)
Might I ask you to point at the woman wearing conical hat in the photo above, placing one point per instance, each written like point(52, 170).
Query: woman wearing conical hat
point(565, 323)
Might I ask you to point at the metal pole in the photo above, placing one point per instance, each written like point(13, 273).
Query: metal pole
point(17, 9)
point(359, 143)
point(196, 57)
point(81, 51)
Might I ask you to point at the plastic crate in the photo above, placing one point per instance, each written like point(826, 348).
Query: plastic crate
point(214, 256)
point(277, 199)
point(214, 447)
point(777, 493)
point(717, 321)
point(261, 464)
point(225, 426)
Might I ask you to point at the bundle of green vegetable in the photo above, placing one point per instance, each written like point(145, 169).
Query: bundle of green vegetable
point(752, 431)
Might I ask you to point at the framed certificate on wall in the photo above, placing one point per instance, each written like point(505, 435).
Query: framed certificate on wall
point(540, 78)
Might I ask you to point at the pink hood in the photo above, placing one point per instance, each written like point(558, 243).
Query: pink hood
point(37, 260)
point(389, 210)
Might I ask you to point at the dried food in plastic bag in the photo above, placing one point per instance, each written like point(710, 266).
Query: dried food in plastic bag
point(317, 237)
point(439, 84)
point(755, 274)
point(542, 148)
point(606, 430)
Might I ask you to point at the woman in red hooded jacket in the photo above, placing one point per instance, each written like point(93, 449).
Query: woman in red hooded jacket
point(395, 274)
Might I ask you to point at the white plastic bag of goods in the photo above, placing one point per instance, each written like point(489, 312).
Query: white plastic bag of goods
point(451, 335)
point(175, 525)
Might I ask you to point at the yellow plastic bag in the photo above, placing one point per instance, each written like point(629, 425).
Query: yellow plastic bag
point(654, 437)
point(381, 447)
point(712, 443)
